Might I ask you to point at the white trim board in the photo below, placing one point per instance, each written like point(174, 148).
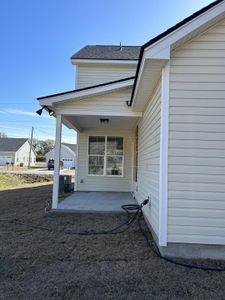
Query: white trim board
point(77, 162)
point(79, 112)
point(57, 150)
point(76, 61)
point(163, 173)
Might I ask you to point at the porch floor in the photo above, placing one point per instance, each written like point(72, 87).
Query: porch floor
point(96, 202)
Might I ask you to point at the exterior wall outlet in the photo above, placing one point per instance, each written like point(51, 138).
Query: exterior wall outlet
point(82, 181)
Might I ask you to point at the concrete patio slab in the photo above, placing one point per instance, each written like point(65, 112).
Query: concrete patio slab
point(96, 202)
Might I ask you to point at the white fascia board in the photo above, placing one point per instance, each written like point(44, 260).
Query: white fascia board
point(76, 61)
point(186, 29)
point(139, 78)
point(79, 112)
point(86, 93)
point(161, 53)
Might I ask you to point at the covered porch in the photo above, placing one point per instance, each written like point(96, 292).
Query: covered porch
point(92, 202)
point(105, 127)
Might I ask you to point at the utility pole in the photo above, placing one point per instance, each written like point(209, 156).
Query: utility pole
point(31, 143)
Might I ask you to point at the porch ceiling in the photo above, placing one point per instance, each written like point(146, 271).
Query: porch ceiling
point(93, 122)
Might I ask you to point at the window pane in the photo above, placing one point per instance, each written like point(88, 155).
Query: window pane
point(97, 145)
point(96, 165)
point(114, 165)
point(114, 145)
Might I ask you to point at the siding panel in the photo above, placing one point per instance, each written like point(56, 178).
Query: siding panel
point(197, 140)
point(148, 158)
point(96, 74)
point(114, 101)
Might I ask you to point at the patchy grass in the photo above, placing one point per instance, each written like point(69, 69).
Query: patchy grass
point(9, 180)
point(38, 264)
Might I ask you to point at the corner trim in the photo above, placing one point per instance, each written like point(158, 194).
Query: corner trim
point(164, 143)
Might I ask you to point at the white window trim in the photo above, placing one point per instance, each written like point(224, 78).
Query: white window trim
point(105, 156)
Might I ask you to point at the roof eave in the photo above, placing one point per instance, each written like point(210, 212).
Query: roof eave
point(155, 48)
point(86, 61)
point(86, 92)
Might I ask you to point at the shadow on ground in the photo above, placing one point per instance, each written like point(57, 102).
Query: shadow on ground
point(37, 264)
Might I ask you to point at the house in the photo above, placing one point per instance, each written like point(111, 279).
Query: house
point(154, 124)
point(16, 151)
point(68, 155)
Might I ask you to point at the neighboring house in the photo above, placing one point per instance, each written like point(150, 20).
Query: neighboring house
point(16, 151)
point(154, 125)
point(68, 155)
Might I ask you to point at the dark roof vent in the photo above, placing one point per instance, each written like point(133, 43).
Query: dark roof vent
point(104, 121)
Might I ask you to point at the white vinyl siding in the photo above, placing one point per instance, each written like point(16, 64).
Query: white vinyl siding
point(22, 155)
point(7, 157)
point(111, 102)
point(87, 182)
point(197, 140)
point(148, 158)
point(97, 74)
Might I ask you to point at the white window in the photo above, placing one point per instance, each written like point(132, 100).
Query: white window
point(105, 155)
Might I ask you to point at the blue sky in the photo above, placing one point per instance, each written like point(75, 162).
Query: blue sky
point(38, 38)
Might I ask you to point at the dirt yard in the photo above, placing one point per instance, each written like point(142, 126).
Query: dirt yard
point(11, 180)
point(37, 264)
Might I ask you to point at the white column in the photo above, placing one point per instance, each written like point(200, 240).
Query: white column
point(77, 161)
point(164, 140)
point(57, 150)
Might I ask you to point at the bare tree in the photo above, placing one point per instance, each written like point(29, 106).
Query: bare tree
point(3, 135)
point(42, 147)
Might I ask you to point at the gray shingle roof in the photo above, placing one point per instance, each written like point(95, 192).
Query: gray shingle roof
point(108, 52)
point(72, 147)
point(11, 144)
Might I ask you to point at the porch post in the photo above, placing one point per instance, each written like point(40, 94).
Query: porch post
point(57, 150)
point(77, 158)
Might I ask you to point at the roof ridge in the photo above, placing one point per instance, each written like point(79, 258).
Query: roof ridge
point(14, 138)
point(111, 45)
point(108, 52)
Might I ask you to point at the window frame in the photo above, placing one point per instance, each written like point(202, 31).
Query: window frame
point(105, 155)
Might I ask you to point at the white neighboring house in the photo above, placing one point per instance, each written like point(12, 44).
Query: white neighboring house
point(68, 155)
point(16, 151)
point(159, 134)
